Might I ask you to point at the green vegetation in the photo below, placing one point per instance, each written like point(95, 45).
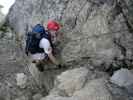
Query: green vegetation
point(4, 27)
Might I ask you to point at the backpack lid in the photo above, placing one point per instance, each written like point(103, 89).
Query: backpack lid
point(38, 29)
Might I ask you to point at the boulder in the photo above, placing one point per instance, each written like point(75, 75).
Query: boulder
point(77, 84)
point(122, 77)
point(37, 96)
point(72, 80)
point(93, 90)
point(22, 98)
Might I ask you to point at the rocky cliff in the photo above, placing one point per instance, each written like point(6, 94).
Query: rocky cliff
point(98, 29)
point(97, 37)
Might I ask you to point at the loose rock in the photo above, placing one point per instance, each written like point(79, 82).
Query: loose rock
point(122, 77)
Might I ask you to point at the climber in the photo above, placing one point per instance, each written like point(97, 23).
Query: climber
point(40, 44)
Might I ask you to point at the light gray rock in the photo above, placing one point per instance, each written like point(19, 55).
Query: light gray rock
point(86, 39)
point(93, 90)
point(45, 80)
point(92, 28)
point(21, 79)
point(57, 98)
point(33, 12)
point(95, 29)
point(90, 89)
point(37, 97)
point(129, 88)
point(122, 77)
point(127, 9)
point(22, 98)
point(72, 80)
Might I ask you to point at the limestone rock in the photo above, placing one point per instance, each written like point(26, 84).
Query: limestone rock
point(21, 79)
point(122, 77)
point(22, 98)
point(72, 80)
point(127, 9)
point(129, 88)
point(34, 12)
point(92, 28)
point(56, 98)
point(37, 97)
point(76, 89)
point(93, 90)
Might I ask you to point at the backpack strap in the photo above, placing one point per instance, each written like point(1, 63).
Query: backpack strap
point(48, 36)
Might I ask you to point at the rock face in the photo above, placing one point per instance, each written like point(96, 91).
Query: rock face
point(33, 12)
point(96, 33)
point(72, 80)
point(127, 9)
point(21, 79)
point(123, 78)
point(94, 89)
point(95, 29)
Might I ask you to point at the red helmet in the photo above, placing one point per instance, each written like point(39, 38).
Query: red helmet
point(53, 25)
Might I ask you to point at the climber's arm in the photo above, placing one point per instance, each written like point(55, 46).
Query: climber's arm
point(53, 59)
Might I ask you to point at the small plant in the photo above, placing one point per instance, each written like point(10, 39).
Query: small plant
point(4, 28)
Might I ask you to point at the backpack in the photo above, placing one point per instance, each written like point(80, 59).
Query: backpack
point(33, 39)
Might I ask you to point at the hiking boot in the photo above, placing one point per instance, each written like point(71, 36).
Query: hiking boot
point(40, 67)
